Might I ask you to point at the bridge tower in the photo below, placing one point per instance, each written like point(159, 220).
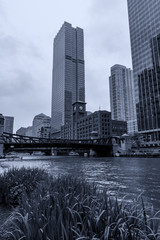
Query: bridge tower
point(1, 132)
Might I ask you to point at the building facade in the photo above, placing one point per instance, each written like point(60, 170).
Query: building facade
point(41, 126)
point(8, 124)
point(29, 131)
point(144, 23)
point(25, 131)
point(21, 131)
point(122, 96)
point(118, 128)
point(68, 80)
point(96, 125)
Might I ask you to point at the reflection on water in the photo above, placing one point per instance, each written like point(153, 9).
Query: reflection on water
point(125, 176)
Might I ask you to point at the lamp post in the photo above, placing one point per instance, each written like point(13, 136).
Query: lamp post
point(1, 132)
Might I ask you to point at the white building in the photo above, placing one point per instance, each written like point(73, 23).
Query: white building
point(122, 96)
point(41, 121)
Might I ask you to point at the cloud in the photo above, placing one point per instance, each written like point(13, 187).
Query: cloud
point(22, 75)
point(8, 46)
point(16, 82)
point(106, 43)
point(21, 96)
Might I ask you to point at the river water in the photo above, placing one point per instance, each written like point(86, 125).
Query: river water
point(120, 176)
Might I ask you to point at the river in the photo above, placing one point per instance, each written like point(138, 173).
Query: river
point(120, 176)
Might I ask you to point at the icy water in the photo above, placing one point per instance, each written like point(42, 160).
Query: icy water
point(120, 176)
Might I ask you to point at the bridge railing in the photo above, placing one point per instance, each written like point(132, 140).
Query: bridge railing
point(14, 138)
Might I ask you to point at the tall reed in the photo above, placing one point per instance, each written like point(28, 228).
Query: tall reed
point(15, 181)
point(70, 209)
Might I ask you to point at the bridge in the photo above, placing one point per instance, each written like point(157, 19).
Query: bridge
point(18, 143)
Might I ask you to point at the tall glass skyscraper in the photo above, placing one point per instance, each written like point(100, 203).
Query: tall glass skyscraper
point(68, 80)
point(144, 23)
point(122, 97)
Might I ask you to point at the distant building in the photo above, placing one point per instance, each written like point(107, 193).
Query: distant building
point(8, 124)
point(68, 83)
point(41, 126)
point(25, 131)
point(29, 131)
point(66, 132)
point(21, 131)
point(95, 125)
point(99, 122)
point(122, 96)
point(44, 131)
point(144, 23)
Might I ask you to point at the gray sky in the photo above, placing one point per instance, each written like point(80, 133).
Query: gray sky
point(27, 30)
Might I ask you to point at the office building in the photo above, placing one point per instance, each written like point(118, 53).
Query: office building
point(68, 81)
point(96, 125)
point(41, 126)
point(144, 23)
point(8, 124)
point(21, 131)
point(122, 97)
point(29, 131)
point(25, 131)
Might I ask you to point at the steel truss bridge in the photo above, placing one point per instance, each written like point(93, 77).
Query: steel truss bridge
point(18, 143)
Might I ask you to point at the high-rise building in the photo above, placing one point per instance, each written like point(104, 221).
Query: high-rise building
point(144, 23)
point(68, 81)
point(8, 124)
point(122, 96)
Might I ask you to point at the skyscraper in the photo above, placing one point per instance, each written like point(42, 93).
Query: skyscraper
point(68, 81)
point(144, 23)
point(122, 96)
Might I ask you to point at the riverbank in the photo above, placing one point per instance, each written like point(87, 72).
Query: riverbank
point(70, 208)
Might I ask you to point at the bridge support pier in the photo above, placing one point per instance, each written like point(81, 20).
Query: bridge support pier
point(54, 151)
point(1, 132)
point(92, 153)
point(1, 150)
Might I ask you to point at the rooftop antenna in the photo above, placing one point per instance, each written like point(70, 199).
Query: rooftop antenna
point(99, 108)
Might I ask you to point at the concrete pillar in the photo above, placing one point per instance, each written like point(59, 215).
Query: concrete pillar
point(54, 151)
point(86, 154)
point(92, 153)
point(1, 132)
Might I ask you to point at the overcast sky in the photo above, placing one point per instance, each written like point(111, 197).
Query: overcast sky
point(27, 30)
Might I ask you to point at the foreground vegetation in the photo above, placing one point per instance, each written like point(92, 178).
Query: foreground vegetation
point(67, 208)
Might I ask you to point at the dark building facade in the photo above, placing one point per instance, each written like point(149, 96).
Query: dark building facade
point(148, 108)
point(118, 128)
point(68, 81)
point(144, 22)
point(96, 125)
point(98, 122)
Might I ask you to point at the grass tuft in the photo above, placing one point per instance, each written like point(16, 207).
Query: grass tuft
point(71, 209)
